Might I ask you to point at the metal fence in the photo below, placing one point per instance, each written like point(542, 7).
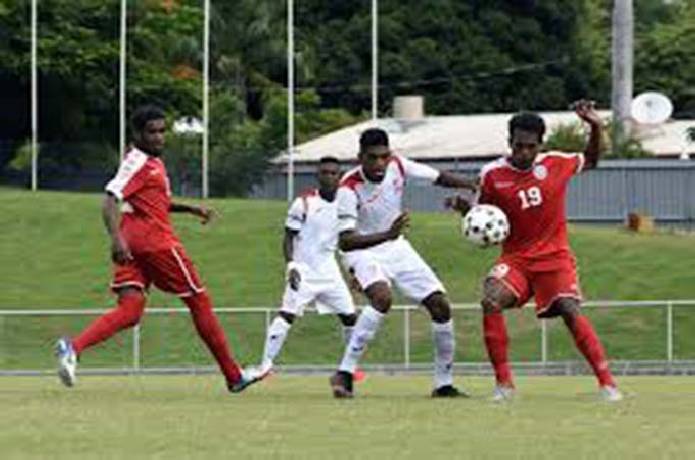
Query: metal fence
point(666, 364)
point(660, 188)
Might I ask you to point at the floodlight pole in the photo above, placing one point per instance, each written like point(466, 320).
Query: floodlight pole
point(122, 81)
point(622, 67)
point(206, 98)
point(290, 100)
point(34, 99)
point(375, 59)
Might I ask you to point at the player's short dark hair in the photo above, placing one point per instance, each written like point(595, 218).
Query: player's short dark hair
point(329, 159)
point(527, 121)
point(143, 114)
point(373, 137)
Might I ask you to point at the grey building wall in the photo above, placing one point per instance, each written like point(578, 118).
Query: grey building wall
point(663, 189)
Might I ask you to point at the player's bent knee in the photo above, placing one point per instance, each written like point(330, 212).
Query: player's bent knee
point(379, 294)
point(568, 308)
point(438, 306)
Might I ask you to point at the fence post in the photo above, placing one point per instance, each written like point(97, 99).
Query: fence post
point(406, 337)
point(544, 341)
point(669, 331)
point(136, 348)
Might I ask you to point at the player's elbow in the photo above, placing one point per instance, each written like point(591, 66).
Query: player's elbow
point(346, 242)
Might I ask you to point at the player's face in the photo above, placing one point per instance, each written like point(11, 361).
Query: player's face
point(374, 160)
point(525, 147)
point(329, 176)
point(152, 136)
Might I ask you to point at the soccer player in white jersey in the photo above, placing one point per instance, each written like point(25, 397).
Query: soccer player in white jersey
point(370, 211)
point(313, 275)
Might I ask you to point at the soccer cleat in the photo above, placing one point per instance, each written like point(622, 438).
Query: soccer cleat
point(610, 393)
point(67, 361)
point(449, 391)
point(258, 373)
point(503, 393)
point(341, 384)
point(246, 379)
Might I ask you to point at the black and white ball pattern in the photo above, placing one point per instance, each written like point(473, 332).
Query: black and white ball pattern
point(485, 225)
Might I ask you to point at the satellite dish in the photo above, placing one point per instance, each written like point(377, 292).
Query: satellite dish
point(651, 108)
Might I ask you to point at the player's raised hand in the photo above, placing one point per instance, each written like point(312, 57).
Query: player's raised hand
point(457, 203)
point(586, 110)
point(120, 252)
point(399, 225)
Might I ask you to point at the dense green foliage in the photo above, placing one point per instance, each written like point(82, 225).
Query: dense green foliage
point(465, 57)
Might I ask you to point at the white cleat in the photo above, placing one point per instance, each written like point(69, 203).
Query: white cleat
point(258, 373)
point(503, 393)
point(609, 393)
point(67, 362)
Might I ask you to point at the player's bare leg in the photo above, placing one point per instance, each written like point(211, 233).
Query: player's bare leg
point(589, 345)
point(131, 304)
point(444, 346)
point(496, 298)
point(368, 323)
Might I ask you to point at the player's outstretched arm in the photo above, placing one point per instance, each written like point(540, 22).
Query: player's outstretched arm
point(120, 253)
point(350, 240)
point(586, 111)
point(450, 180)
point(206, 214)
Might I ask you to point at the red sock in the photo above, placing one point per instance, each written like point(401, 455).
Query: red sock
point(589, 344)
point(210, 330)
point(126, 314)
point(496, 342)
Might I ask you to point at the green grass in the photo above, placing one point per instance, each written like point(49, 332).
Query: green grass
point(54, 254)
point(295, 417)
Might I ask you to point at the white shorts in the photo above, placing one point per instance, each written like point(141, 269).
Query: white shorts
point(328, 293)
point(394, 262)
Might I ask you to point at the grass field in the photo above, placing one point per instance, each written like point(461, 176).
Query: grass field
point(54, 255)
point(295, 417)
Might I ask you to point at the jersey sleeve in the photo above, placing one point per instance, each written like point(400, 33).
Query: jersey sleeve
point(347, 209)
point(131, 177)
point(484, 193)
point(415, 170)
point(296, 215)
point(570, 163)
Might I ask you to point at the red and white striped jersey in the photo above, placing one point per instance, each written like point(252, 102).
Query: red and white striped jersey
point(142, 184)
point(371, 207)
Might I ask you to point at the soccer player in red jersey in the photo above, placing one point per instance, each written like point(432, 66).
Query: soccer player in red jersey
point(536, 260)
point(145, 251)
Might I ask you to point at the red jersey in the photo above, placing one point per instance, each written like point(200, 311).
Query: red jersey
point(142, 184)
point(534, 202)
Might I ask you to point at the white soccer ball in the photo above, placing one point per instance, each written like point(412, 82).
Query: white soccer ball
point(485, 225)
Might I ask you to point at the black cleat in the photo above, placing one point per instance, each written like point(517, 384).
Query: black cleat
point(341, 384)
point(449, 391)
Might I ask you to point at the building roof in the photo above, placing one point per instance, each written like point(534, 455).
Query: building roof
point(471, 136)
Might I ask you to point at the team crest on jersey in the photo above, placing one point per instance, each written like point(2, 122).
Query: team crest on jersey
point(499, 271)
point(540, 172)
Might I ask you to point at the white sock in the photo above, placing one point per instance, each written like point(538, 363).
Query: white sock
point(347, 334)
point(275, 338)
point(444, 345)
point(364, 331)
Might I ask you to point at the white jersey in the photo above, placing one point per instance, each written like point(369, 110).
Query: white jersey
point(370, 207)
point(316, 221)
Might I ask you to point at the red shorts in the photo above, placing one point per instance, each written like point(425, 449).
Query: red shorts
point(546, 285)
point(170, 270)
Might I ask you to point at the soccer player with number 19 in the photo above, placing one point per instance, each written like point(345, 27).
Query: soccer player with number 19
point(530, 188)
